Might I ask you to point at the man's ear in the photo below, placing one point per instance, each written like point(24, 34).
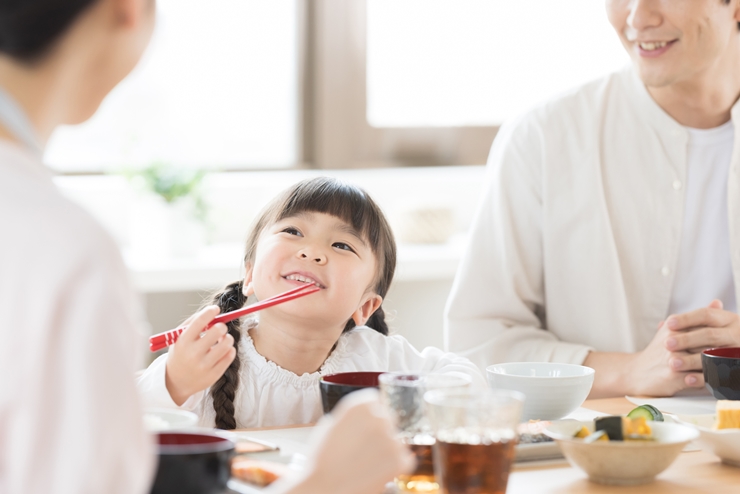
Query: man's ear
point(368, 307)
point(247, 288)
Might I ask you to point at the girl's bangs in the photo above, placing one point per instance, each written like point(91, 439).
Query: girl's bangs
point(341, 200)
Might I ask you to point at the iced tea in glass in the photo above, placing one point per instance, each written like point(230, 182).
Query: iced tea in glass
point(476, 432)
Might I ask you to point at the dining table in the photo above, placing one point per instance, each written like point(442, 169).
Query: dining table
point(694, 471)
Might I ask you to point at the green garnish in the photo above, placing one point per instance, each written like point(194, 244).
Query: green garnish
point(647, 411)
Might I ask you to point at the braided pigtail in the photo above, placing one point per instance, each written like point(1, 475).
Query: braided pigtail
point(377, 321)
point(223, 391)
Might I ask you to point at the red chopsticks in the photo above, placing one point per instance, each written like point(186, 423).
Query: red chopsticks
point(162, 340)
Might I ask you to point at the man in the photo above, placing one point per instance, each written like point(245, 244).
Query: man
point(609, 232)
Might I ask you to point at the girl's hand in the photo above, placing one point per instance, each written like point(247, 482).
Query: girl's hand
point(194, 362)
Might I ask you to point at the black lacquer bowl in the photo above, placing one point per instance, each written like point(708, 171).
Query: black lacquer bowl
point(334, 387)
point(192, 463)
point(722, 372)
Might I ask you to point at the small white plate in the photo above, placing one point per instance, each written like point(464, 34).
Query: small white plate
point(724, 443)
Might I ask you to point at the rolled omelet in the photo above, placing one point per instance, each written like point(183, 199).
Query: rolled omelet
point(728, 414)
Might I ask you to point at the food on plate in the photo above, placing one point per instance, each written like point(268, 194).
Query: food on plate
point(728, 414)
point(616, 428)
point(583, 432)
point(257, 472)
point(532, 432)
point(647, 411)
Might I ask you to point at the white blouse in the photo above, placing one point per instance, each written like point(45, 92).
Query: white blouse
point(269, 395)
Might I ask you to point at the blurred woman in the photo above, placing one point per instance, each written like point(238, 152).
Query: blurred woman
point(69, 413)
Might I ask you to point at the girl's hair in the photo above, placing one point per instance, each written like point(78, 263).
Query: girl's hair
point(320, 195)
point(28, 28)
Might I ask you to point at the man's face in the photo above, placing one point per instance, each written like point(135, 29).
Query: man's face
point(675, 41)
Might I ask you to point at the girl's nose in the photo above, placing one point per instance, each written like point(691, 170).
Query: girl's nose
point(312, 256)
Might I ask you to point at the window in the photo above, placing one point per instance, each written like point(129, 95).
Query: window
point(428, 82)
point(480, 62)
point(217, 88)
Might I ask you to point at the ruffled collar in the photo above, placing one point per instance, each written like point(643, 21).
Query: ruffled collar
point(257, 363)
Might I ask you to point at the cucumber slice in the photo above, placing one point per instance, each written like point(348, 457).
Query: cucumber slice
point(647, 411)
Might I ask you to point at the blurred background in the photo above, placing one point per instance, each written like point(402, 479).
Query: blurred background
point(237, 99)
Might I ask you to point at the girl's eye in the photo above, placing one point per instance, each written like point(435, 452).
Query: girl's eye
point(342, 246)
point(292, 231)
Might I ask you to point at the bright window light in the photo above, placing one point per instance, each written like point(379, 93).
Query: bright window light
point(478, 62)
point(217, 89)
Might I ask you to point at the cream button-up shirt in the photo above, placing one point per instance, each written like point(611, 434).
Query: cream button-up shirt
point(575, 243)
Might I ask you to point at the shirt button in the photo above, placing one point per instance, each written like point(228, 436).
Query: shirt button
point(677, 184)
point(665, 271)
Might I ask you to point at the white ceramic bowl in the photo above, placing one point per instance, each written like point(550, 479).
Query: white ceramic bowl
point(724, 443)
point(552, 390)
point(622, 462)
point(164, 419)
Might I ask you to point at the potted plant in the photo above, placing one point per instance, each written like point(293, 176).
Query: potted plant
point(168, 217)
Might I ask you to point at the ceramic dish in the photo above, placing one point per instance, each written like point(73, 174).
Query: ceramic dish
point(723, 443)
point(192, 463)
point(163, 419)
point(552, 390)
point(622, 462)
point(334, 387)
point(721, 368)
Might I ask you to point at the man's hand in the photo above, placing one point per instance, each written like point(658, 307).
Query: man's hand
point(672, 360)
point(694, 331)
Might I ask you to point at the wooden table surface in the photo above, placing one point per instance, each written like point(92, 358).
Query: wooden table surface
point(692, 472)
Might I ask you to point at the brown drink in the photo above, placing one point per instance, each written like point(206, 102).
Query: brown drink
point(473, 468)
point(422, 480)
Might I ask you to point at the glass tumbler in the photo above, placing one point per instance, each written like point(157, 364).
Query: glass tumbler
point(404, 395)
point(476, 432)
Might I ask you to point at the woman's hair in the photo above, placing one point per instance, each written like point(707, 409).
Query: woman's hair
point(319, 195)
point(28, 28)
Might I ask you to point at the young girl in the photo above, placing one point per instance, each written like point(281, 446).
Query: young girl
point(320, 231)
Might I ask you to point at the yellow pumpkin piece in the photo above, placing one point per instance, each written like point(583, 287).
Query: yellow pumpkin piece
point(637, 426)
point(584, 432)
point(605, 437)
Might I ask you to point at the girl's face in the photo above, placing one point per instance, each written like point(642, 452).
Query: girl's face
point(323, 250)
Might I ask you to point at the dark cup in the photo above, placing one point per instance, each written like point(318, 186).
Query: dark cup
point(334, 387)
point(722, 372)
point(192, 463)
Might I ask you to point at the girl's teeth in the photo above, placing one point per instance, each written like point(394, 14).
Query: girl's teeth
point(302, 279)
